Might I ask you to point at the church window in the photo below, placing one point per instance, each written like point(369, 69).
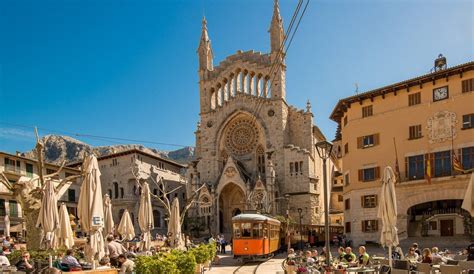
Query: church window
point(301, 167)
point(260, 161)
point(296, 168)
point(116, 190)
point(291, 169)
point(122, 192)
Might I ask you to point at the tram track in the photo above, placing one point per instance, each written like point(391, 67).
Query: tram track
point(250, 267)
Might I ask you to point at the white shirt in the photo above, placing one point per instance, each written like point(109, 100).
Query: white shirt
point(4, 260)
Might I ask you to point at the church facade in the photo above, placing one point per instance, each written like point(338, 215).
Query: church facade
point(254, 151)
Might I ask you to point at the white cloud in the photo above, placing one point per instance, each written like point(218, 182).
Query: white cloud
point(15, 133)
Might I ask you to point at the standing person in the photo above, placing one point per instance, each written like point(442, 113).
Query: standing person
point(188, 243)
point(115, 249)
point(127, 266)
point(24, 264)
point(223, 244)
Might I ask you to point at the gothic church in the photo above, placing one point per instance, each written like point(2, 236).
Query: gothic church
point(254, 151)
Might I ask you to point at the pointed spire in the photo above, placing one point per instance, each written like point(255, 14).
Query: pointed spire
point(276, 28)
point(308, 106)
point(204, 49)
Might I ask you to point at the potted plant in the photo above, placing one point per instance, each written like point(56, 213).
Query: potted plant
point(201, 256)
point(301, 269)
point(290, 266)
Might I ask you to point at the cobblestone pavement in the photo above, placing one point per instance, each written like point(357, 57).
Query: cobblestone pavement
point(230, 265)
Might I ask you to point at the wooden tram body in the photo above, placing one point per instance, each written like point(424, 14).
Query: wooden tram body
point(314, 234)
point(255, 236)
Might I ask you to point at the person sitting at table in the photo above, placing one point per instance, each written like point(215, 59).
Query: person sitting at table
point(411, 255)
point(417, 251)
point(126, 265)
point(24, 264)
point(426, 256)
point(4, 260)
point(436, 258)
point(364, 257)
point(341, 253)
point(291, 253)
point(71, 261)
point(349, 257)
point(308, 258)
point(104, 263)
point(314, 254)
point(470, 252)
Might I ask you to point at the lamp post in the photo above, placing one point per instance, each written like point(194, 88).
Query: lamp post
point(324, 149)
point(287, 198)
point(301, 228)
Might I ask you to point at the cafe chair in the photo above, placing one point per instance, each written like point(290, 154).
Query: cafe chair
point(452, 262)
point(384, 269)
point(450, 269)
point(423, 267)
point(401, 264)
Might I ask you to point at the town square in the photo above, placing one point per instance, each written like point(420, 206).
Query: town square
point(266, 136)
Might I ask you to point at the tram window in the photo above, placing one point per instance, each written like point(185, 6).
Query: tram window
point(246, 230)
point(236, 230)
point(257, 231)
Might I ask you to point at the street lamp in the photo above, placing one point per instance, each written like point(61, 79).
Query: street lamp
point(324, 149)
point(287, 197)
point(301, 228)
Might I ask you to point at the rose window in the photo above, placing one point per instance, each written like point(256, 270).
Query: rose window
point(241, 137)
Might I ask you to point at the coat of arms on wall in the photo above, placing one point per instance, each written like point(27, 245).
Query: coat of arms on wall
point(441, 126)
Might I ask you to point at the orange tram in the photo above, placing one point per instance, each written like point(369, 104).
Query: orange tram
point(255, 236)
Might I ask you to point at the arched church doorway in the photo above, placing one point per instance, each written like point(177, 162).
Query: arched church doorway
point(231, 203)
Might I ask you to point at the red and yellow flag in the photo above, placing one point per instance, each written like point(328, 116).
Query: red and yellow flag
point(457, 164)
point(428, 169)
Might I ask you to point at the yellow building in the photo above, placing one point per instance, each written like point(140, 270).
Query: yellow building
point(417, 123)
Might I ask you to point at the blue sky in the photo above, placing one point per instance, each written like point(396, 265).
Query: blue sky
point(128, 69)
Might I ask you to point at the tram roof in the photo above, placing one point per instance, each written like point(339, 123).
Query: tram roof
point(253, 217)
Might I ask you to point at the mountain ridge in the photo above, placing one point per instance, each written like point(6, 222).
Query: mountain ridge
point(59, 148)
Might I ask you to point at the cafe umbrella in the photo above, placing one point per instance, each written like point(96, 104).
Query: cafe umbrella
point(387, 212)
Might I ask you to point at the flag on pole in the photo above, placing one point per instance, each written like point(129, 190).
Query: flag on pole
point(457, 164)
point(428, 169)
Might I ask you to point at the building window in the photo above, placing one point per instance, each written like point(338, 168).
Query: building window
point(340, 198)
point(369, 174)
point(370, 226)
point(116, 190)
point(416, 167)
point(110, 193)
point(29, 170)
point(369, 201)
point(122, 192)
point(367, 111)
point(368, 141)
point(442, 163)
point(468, 121)
point(414, 132)
point(468, 85)
point(347, 204)
point(291, 168)
point(348, 227)
point(346, 179)
point(414, 99)
point(13, 208)
point(2, 208)
point(71, 195)
point(467, 158)
point(301, 167)
point(297, 169)
point(345, 120)
point(157, 218)
point(433, 225)
point(260, 161)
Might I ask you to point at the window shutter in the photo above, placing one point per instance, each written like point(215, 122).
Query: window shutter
point(362, 201)
point(377, 172)
point(361, 175)
point(406, 167)
point(363, 226)
point(376, 139)
point(360, 142)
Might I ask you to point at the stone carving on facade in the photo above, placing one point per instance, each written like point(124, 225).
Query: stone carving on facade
point(230, 172)
point(441, 126)
point(258, 197)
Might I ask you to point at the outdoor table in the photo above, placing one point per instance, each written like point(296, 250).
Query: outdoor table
point(360, 270)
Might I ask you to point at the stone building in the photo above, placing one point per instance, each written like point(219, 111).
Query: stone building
point(14, 167)
point(252, 147)
point(425, 124)
point(119, 182)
